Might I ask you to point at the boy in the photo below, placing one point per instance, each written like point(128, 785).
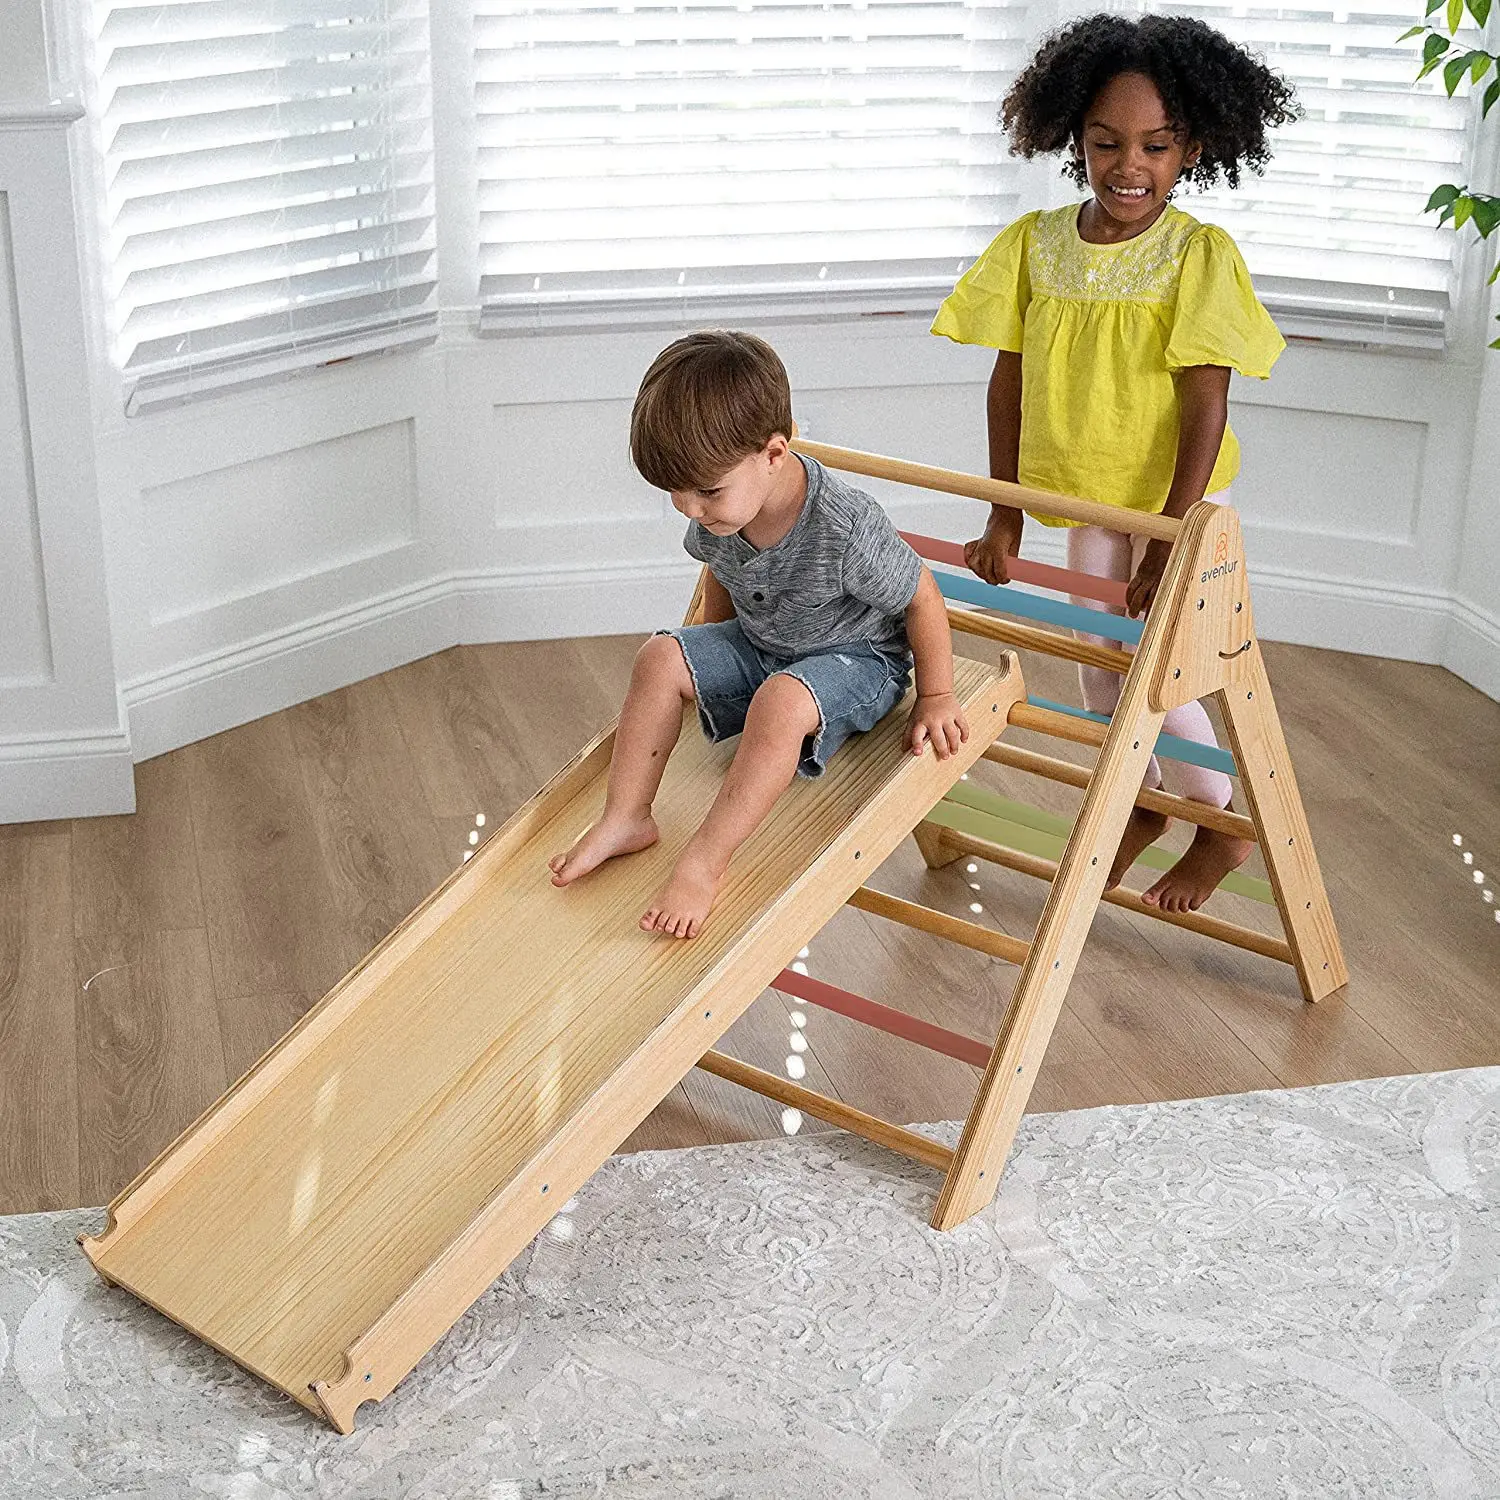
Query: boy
point(815, 609)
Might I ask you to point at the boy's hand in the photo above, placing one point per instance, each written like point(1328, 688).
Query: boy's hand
point(938, 719)
point(989, 556)
point(1147, 578)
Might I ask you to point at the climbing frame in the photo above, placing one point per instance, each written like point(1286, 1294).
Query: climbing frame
point(1196, 641)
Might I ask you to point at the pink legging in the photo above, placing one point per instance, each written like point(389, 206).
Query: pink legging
point(1112, 554)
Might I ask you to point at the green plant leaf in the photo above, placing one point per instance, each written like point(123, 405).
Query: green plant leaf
point(1434, 47)
point(1461, 211)
point(1494, 275)
point(1486, 212)
point(1442, 196)
point(1480, 10)
point(1479, 64)
point(1491, 94)
point(1455, 14)
point(1410, 32)
point(1453, 72)
point(1433, 5)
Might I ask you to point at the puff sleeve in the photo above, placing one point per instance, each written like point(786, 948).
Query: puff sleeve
point(1218, 319)
point(988, 306)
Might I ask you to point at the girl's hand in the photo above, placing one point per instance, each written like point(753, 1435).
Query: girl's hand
point(1143, 586)
point(989, 556)
point(938, 719)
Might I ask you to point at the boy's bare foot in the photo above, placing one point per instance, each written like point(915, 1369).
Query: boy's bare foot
point(607, 838)
point(1143, 830)
point(682, 904)
point(1194, 878)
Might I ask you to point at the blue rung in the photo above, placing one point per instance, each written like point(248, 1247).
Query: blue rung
point(1014, 601)
point(1210, 757)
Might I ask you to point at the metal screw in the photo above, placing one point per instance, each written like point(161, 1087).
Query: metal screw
point(1177, 672)
point(1200, 604)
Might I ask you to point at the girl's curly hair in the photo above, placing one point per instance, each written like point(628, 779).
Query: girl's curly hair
point(1214, 91)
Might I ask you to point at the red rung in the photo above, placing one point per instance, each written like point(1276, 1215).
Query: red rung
point(1043, 575)
point(883, 1018)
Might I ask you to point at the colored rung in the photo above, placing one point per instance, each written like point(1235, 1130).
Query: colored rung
point(1043, 575)
point(1210, 757)
point(1033, 831)
point(1013, 601)
point(895, 1022)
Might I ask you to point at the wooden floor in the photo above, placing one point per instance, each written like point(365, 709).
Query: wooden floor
point(147, 961)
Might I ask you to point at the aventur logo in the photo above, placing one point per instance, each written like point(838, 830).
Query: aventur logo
point(1222, 565)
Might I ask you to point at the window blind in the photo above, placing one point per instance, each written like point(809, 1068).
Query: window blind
point(641, 159)
point(1334, 232)
point(268, 185)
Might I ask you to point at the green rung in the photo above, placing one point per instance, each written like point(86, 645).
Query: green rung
point(1045, 834)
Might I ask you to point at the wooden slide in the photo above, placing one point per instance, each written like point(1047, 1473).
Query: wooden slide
point(342, 1205)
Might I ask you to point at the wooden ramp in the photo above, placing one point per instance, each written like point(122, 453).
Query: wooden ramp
point(338, 1209)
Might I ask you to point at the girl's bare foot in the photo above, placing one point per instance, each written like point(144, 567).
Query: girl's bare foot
point(1194, 878)
point(682, 904)
point(1143, 830)
point(607, 838)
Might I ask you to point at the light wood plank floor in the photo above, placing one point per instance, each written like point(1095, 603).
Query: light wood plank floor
point(147, 961)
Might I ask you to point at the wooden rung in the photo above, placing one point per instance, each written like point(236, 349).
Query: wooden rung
point(1059, 726)
point(1050, 641)
point(1194, 921)
point(883, 1018)
point(1219, 819)
point(894, 1137)
point(995, 491)
point(940, 924)
point(1022, 570)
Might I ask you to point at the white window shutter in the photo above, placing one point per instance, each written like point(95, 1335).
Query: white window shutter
point(1334, 232)
point(641, 161)
point(268, 186)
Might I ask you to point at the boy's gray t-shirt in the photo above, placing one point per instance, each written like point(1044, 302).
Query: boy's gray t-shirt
point(842, 574)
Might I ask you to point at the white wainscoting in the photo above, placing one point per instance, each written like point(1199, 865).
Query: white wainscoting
point(266, 547)
point(269, 547)
point(63, 746)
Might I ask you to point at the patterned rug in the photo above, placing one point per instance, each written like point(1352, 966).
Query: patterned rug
point(1282, 1294)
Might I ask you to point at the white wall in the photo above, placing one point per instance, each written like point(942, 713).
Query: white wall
point(63, 742)
point(266, 546)
point(1471, 649)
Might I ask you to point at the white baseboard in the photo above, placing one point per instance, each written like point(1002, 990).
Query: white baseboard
point(1367, 619)
point(548, 605)
point(276, 670)
point(232, 687)
point(1472, 647)
point(75, 776)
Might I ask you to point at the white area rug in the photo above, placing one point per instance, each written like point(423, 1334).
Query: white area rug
point(1283, 1294)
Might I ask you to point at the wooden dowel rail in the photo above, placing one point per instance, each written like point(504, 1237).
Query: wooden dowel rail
point(1193, 921)
point(1032, 639)
point(1059, 726)
point(1048, 766)
point(894, 1137)
point(968, 934)
point(995, 491)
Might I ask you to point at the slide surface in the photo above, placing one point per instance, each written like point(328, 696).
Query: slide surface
point(332, 1215)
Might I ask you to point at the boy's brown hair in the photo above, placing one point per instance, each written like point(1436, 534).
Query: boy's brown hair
point(707, 401)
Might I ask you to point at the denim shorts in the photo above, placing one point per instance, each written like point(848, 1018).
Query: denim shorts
point(854, 686)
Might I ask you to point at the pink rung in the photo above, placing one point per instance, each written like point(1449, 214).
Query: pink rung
point(882, 1017)
point(1043, 575)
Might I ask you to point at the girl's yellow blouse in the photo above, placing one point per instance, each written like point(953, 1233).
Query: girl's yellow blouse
point(1102, 330)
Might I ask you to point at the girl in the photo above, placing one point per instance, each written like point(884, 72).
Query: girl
point(1117, 323)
